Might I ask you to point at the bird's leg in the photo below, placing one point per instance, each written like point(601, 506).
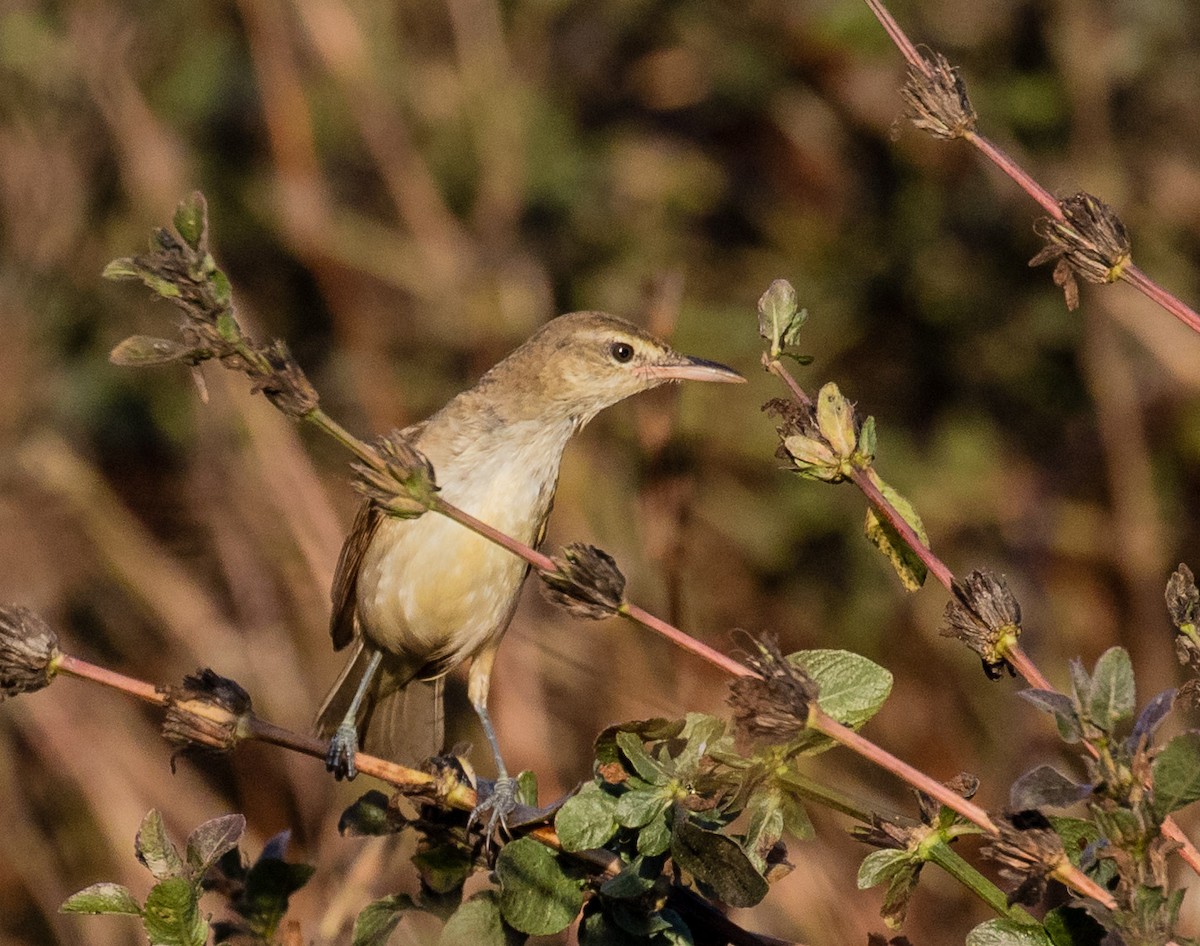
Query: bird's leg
point(340, 758)
point(503, 800)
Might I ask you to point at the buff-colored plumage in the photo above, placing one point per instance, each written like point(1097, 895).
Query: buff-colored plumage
point(427, 594)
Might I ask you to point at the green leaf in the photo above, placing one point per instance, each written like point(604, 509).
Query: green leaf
point(646, 767)
point(1175, 774)
point(102, 898)
point(479, 923)
point(654, 838)
point(191, 217)
point(527, 788)
point(640, 807)
point(717, 861)
point(1112, 696)
point(1076, 833)
point(444, 867)
point(212, 839)
point(905, 561)
point(124, 268)
point(370, 816)
point(1006, 932)
point(587, 819)
point(852, 688)
point(375, 922)
point(155, 850)
point(600, 928)
point(536, 895)
point(649, 729)
point(636, 877)
point(835, 420)
point(1063, 708)
point(795, 816)
point(765, 828)
point(702, 732)
point(779, 319)
point(172, 915)
point(881, 866)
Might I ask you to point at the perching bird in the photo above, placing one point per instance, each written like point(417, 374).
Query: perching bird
point(418, 597)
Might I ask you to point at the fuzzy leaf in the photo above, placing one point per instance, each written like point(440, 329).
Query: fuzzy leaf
point(852, 688)
point(444, 868)
point(586, 820)
point(716, 860)
point(536, 895)
point(1006, 932)
point(141, 351)
point(172, 915)
point(191, 217)
point(646, 767)
point(640, 807)
point(779, 318)
point(369, 816)
point(155, 850)
point(375, 922)
point(1152, 714)
point(478, 922)
point(1175, 774)
point(636, 877)
point(1045, 786)
point(881, 866)
point(102, 898)
point(654, 838)
point(908, 565)
point(1112, 692)
point(212, 839)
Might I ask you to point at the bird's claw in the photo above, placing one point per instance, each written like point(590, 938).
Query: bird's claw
point(501, 803)
point(340, 758)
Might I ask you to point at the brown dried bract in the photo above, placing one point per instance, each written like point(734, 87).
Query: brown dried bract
point(986, 617)
point(1028, 851)
point(207, 712)
point(400, 481)
point(774, 703)
point(1089, 242)
point(936, 99)
point(28, 649)
point(586, 582)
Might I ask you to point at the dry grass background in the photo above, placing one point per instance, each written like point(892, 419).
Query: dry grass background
point(404, 190)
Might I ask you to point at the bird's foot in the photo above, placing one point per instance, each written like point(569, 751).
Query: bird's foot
point(340, 758)
point(501, 803)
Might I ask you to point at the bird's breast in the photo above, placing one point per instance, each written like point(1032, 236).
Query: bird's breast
point(434, 591)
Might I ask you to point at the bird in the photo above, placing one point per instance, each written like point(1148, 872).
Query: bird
point(415, 598)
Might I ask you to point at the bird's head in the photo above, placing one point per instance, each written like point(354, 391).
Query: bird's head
point(576, 365)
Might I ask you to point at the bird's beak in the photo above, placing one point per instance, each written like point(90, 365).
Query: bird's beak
point(686, 368)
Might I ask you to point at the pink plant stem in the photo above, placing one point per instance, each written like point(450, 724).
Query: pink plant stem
point(898, 36)
point(847, 737)
point(1028, 670)
point(1010, 167)
point(936, 566)
point(776, 368)
point(65, 663)
point(690, 644)
point(1152, 290)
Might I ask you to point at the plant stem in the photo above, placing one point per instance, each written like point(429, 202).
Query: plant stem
point(75, 667)
point(864, 481)
point(952, 863)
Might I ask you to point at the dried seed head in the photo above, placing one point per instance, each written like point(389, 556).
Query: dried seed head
point(885, 833)
point(986, 617)
point(207, 712)
point(28, 650)
point(936, 101)
point(285, 385)
point(586, 582)
point(1090, 243)
point(1028, 851)
point(401, 481)
point(774, 704)
point(1183, 605)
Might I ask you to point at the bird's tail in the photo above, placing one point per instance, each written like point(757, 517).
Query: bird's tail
point(401, 719)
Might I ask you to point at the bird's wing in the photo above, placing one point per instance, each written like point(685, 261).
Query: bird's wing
point(345, 578)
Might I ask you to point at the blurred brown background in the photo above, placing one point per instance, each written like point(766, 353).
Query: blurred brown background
point(404, 191)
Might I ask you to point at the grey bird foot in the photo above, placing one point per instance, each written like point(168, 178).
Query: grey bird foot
point(340, 758)
point(501, 803)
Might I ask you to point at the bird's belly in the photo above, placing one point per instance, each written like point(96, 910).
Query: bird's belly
point(433, 591)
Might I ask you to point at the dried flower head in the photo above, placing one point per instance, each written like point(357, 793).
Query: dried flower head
point(1089, 242)
point(1183, 605)
point(585, 581)
point(1028, 851)
point(28, 650)
point(207, 712)
point(774, 703)
point(936, 101)
point(400, 481)
point(283, 382)
point(986, 617)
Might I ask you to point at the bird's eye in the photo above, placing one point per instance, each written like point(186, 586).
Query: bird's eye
point(621, 351)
